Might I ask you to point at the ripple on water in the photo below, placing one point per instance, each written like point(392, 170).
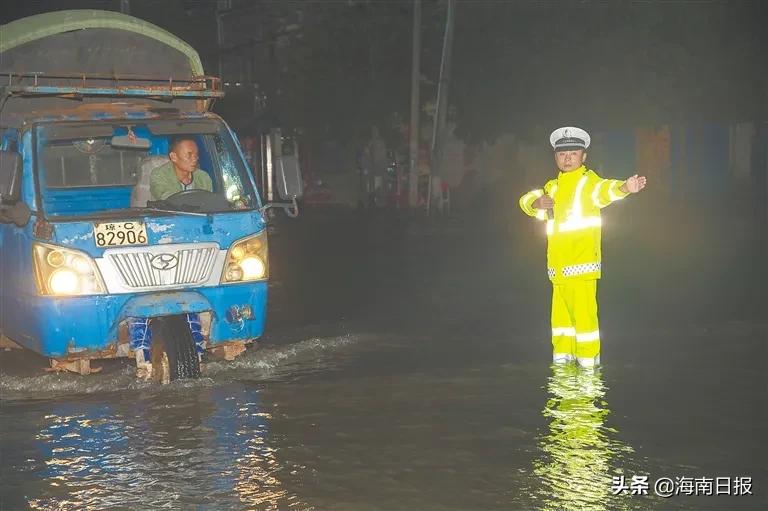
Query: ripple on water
point(284, 361)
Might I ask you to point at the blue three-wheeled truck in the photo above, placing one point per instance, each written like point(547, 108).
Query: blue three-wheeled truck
point(96, 262)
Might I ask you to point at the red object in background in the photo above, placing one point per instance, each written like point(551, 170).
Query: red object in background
point(317, 194)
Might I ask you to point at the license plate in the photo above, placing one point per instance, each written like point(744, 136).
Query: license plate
point(120, 234)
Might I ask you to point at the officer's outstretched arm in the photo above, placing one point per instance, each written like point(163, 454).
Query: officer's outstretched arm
point(607, 191)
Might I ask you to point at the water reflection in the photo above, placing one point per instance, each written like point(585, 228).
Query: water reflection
point(81, 452)
point(251, 467)
point(579, 450)
point(180, 449)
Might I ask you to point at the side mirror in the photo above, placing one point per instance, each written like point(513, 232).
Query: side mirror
point(126, 142)
point(12, 208)
point(289, 183)
point(10, 177)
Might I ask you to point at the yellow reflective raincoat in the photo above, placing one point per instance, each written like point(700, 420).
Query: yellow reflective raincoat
point(573, 234)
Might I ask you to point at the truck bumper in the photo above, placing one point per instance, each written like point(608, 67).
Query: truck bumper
point(78, 325)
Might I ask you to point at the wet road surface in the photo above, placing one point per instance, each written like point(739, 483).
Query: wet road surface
point(407, 367)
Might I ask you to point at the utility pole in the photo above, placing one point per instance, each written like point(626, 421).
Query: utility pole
point(413, 188)
point(222, 7)
point(439, 133)
point(441, 112)
point(125, 6)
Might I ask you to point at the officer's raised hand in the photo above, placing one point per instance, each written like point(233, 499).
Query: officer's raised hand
point(633, 184)
point(545, 202)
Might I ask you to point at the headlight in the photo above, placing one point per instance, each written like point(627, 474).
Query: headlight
point(64, 282)
point(253, 268)
point(247, 260)
point(65, 272)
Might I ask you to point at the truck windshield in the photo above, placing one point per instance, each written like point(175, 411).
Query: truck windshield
point(88, 169)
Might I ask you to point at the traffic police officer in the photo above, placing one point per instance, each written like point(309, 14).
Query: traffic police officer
point(570, 205)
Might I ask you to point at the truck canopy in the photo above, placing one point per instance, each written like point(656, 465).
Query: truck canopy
point(89, 55)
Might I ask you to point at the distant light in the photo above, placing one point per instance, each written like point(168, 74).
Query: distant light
point(237, 84)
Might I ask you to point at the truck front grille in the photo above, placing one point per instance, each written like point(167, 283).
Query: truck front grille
point(170, 268)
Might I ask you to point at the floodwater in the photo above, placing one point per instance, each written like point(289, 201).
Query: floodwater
point(407, 368)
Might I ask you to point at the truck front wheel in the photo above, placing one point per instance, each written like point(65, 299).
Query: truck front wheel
point(173, 350)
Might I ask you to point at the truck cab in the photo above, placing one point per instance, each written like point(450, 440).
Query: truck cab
point(103, 251)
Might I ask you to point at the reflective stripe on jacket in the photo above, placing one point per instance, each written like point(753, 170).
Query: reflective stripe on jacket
point(573, 232)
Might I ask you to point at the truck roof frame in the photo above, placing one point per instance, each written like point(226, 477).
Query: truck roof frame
point(198, 87)
point(96, 57)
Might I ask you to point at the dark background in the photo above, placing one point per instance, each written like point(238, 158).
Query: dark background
point(334, 68)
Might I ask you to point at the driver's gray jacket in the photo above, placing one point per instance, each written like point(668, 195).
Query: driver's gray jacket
point(163, 182)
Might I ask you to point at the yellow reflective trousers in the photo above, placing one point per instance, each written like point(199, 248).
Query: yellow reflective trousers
point(575, 330)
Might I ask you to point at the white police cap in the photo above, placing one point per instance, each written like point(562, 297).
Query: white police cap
point(569, 138)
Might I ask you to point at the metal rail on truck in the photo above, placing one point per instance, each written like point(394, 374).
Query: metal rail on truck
point(198, 87)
